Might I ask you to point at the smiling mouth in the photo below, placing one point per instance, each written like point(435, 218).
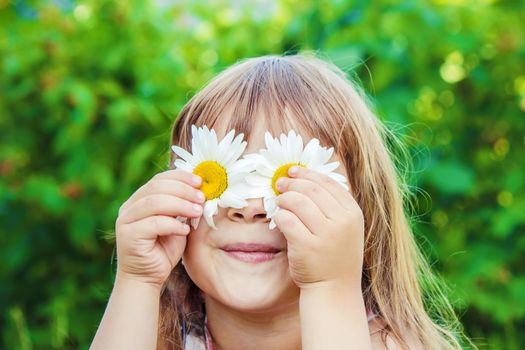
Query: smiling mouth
point(253, 257)
point(253, 253)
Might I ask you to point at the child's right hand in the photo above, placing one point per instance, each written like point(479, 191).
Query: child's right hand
point(150, 240)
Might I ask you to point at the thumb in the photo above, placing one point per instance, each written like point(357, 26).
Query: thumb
point(292, 227)
point(174, 246)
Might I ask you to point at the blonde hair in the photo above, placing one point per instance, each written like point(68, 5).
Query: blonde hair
point(315, 96)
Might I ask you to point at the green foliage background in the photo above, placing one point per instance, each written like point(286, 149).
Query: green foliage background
point(89, 89)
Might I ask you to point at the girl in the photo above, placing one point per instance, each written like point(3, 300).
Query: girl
point(345, 273)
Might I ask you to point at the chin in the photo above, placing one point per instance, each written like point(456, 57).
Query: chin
point(256, 296)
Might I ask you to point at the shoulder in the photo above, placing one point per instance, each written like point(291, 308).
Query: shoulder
point(383, 339)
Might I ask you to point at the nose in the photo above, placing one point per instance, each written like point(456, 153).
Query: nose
point(254, 212)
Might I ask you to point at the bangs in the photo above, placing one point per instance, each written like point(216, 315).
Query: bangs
point(284, 92)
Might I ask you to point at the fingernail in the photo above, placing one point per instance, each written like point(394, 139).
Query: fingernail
point(200, 196)
point(196, 179)
point(293, 170)
point(279, 183)
point(185, 228)
point(197, 208)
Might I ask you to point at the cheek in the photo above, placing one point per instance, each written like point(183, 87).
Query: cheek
point(196, 256)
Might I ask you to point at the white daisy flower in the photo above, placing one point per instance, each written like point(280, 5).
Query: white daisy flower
point(274, 162)
point(222, 172)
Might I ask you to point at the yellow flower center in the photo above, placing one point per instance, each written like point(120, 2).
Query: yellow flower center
point(214, 178)
point(281, 172)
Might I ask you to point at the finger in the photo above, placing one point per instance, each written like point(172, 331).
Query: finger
point(174, 246)
point(156, 225)
point(338, 191)
point(172, 187)
point(159, 204)
point(292, 228)
point(181, 175)
point(177, 175)
point(305, 209)
point(328, 205)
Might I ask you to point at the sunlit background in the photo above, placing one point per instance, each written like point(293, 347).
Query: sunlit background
point(89, 89)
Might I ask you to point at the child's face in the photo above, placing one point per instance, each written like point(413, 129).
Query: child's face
point(238, 284)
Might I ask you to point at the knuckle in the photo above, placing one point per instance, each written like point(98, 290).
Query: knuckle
point(294, 198)
point(313, 190)
point(180, 174)
point(188, 191)
point(187, 205)
point(284, 199)
point(283, 217)
point(154, 186)
point(149, 201)
point(326, 180)
point(157, 223)
point(121, 230)
point(180, 226)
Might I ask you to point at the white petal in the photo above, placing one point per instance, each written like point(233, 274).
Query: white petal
point(274, 150)
point(269, 141)
point(282, 139)
point(243, 190)
point(230, 199)
point(222, 149)
point(193, 131)
point(327, 168)
point(259, 192)
point(325, 155)
point(213, 146)
point(275, 157)
point(195, 222)
point(242, 165)
point(206, 143)
point(212, 138)
point(272, 161)
point(180, 164)
point(293, 147)
point(210, 209)
point(265, 171)
point(235, 178)
point(182, 153)
point(297, 148)
point(265, 158)
point(235, 153)
point(235, 150)
point(257, 180)
point(309, 151)
point(269, 205)
point(196, 149)
point(252, 156)
point(272, 225)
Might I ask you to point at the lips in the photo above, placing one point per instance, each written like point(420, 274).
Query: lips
point(251, 248)
point(252, 253)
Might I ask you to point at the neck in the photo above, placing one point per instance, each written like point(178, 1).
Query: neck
point(278, 328)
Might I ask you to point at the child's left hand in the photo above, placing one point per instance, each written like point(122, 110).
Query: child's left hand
point(324, 227)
